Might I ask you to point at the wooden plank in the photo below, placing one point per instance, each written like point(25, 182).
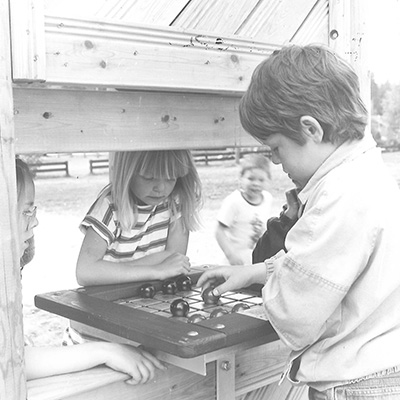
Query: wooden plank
point(223, 17)
point(103, 383)
point(160, 12)
point(254, 369)
point(28, 47)
point(12, 375)
point(315, 28)
point(49, 121)
point(347, 36)
point(276, 21)
point(83, 52)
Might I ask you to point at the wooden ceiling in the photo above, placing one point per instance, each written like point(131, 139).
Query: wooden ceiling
point(272, 21)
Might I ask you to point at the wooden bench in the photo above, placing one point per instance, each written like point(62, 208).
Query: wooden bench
point(57, 166)
point(98, 164)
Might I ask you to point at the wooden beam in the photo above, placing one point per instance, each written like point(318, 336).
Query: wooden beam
point(12, 377)
point(50, 121)
point(347, 36)
point(83, 52)
point(28, 46)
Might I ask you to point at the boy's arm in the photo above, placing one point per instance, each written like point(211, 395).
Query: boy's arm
point(91, 269)
point(226, 245)
point(47, 361)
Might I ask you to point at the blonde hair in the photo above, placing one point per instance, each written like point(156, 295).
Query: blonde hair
point(162, 164)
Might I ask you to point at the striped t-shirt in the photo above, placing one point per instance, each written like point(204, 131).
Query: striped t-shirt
point(148, 236)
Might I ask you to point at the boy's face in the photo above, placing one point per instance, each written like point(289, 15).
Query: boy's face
point(27, 220)
point(253, 182)
point(298, 161)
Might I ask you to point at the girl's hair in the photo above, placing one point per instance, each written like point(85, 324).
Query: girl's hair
point(297, 81)
point(22, 172)
point(164, 164)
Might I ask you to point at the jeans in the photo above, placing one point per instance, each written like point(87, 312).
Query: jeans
point(380, 386)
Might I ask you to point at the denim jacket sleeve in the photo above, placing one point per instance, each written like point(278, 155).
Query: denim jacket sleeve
point(328, 248)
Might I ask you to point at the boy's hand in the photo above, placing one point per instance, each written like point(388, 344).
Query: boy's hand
point(229, 278)
point(136, 362)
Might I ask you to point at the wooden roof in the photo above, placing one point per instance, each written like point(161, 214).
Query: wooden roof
point(272, 21)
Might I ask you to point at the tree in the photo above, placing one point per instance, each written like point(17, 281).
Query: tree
point(378, 93)
point(391, 111)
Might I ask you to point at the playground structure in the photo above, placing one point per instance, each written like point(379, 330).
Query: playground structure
point(151, 75)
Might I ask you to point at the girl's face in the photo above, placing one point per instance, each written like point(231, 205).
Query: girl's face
point(151, 191)
point(27, 220)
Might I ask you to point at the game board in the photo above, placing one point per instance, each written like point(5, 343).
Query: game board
point(120, 310)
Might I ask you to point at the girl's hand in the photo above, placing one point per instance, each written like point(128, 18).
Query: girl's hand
point(136, 362)
point(232, 277)
point(174, 265)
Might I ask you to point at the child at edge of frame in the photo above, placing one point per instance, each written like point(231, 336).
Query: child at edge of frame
point(46, 361)
point(244, 212)
point(138, 227)
point(333, 293)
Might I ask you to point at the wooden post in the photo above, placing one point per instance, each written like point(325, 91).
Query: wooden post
point(12, 377)
point(28, 47)
point(347, 36)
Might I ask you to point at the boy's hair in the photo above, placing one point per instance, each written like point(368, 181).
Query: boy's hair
point(251, 161)
point(163, 164)
point(297, 81)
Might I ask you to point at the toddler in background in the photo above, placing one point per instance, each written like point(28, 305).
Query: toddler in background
point(138, 228)
point(244, 213)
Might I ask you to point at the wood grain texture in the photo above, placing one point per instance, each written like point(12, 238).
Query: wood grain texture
point(58, 120)
point(165, 334)
point(28, 42)
point(83, 52)
point(12, 376)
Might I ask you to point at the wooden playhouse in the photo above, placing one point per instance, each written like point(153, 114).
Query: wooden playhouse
point(109, 75)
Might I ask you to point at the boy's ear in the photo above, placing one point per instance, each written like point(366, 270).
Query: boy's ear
point(311, 128)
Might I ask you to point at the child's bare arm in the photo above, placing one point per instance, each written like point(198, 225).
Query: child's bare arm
point(93, 270)
point(178, 237)
point(47, 361)
point(226, 245)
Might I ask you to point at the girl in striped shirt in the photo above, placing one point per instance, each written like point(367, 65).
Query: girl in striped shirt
point(138, 227)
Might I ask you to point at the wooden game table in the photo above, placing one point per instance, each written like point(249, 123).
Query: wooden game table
point(98, 311)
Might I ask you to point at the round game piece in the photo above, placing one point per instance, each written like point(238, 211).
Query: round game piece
point(179, 308)
point(196, 318)
point(218, 312)
point(147, 291)
point(208, 296)
point(239, 307)
point(184, 283)
point(169, 287)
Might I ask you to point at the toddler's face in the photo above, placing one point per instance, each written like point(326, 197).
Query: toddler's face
point(254, 181)
point(152, 191)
